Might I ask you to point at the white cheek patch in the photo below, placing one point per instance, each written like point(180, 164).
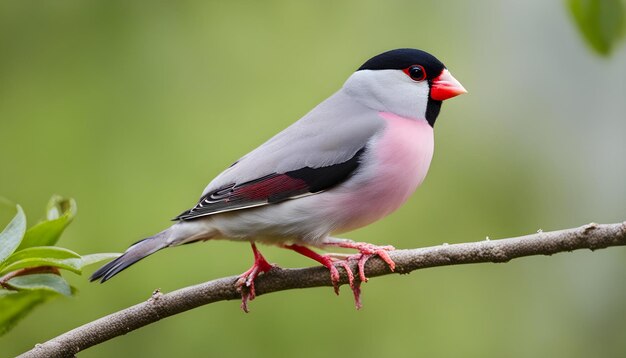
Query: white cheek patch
point(389, 91)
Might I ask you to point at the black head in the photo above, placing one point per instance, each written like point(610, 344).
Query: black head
point(403, 58)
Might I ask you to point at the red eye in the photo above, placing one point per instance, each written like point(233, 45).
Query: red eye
point(416, 72)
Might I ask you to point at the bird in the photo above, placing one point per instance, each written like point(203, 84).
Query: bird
point(352, 160)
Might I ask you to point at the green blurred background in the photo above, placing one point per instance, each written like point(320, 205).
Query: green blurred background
point(132, 107)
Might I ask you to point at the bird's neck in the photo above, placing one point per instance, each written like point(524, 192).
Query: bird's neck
point(432, 111)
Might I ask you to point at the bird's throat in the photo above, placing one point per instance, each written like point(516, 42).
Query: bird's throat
point(432, 111)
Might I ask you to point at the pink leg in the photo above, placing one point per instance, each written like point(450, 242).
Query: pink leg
point(247, 278)
point(324, 260)
point(334, 274)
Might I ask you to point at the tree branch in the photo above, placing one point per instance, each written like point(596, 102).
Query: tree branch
point(159, 306)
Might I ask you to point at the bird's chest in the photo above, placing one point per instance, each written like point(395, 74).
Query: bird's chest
point(403, 154)
point(397, 163)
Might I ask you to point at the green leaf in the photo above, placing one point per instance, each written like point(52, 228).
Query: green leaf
point(43, 256)
point(52, 252)
point(601, 22)
point(41, 281)
point(94, 258)
point(59, 214)
point(52, 256)
point(15, 305)
point(73, 265)
point(12, 234)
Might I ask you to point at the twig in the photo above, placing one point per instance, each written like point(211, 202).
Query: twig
point(159, 306)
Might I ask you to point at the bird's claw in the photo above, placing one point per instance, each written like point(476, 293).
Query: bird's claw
point(366, 251)
point(334, 277)
point(330, 260)
point(245, 282)
point(355, 286)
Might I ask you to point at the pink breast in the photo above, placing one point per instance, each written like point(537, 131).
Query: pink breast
point(401, 157)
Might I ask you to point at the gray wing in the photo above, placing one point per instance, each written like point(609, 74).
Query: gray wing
point(317, 152)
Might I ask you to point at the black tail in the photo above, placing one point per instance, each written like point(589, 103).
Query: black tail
point(134, 253)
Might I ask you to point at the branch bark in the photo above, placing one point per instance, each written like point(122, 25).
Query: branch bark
point(159, 306)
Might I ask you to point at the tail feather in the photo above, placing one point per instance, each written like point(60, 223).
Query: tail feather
point(134, 253)
point(178, 234)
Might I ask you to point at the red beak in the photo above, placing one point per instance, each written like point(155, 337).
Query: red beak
point(445, 86)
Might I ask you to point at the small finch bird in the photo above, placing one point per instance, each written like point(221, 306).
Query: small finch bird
point(352, 160)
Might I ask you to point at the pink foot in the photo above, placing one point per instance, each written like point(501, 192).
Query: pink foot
point(247, 278)
point(365, 252)
point(355, 286)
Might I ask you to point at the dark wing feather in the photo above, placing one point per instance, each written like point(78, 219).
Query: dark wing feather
point(272, 188)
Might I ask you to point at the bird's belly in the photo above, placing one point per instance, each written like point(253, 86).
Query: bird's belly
point(399, 161)
point(394, 165)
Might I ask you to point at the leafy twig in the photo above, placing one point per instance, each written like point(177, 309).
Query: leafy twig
point(26, 271)
point(30, 261)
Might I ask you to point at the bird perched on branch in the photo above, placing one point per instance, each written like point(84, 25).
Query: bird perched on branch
point(350, 161)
